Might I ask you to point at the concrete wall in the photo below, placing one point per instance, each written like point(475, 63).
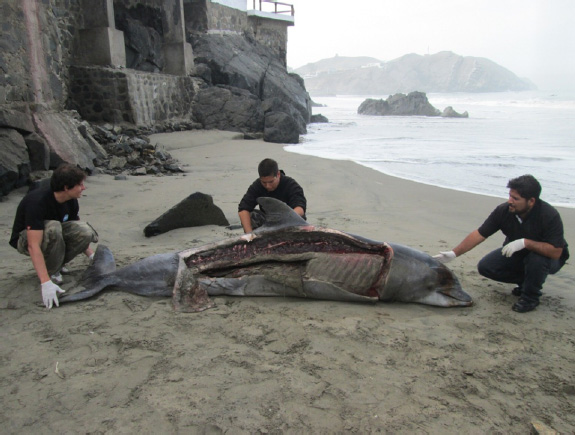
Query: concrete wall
point(271, 33)
point(222, 18)
point(129, 96)
point(41, 40)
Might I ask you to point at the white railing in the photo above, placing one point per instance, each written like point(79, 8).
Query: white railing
point(275, 6)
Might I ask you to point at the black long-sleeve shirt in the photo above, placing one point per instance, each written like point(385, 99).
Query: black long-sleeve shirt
point(288, 191)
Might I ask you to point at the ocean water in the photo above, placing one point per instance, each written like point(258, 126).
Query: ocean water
point(506, 135)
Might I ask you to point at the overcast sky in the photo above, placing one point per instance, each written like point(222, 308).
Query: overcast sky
point(532, 38)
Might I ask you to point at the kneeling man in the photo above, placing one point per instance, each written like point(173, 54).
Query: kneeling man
point(534, 246)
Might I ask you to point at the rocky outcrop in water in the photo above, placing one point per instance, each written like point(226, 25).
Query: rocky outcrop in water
point(448, 112)
point(413, 104)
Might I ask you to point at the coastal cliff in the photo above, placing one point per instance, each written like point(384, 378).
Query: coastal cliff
point(85, 82)
point(440, 72)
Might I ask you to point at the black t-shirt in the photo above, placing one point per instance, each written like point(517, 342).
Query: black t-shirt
point(542, 224)
point(39, 206)
point(288, 191)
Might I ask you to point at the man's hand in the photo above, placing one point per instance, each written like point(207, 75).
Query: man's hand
point(50, 294)
point(512, 247)
point(445, 256)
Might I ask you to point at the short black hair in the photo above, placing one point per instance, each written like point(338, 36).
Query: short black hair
point(268, 168)
point(526, 185)
point(66, 175)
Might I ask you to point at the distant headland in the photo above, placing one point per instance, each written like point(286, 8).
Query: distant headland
point(441, 72)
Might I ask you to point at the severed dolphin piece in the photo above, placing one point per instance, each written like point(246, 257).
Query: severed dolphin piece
point(285, 257)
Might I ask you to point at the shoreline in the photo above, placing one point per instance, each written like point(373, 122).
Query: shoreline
point(412, 156)
point(128, 363)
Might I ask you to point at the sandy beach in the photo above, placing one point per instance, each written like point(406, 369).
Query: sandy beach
point(119, 363)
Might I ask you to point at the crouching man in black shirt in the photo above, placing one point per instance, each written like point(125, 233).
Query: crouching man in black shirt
point(48, 229)
point(272, 183)
point(534, 246)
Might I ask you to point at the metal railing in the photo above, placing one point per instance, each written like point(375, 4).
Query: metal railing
point(275, 7)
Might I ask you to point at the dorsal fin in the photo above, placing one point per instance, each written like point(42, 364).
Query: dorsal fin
point(278, 215)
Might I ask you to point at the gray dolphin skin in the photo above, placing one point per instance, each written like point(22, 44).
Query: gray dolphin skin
point(286, 257)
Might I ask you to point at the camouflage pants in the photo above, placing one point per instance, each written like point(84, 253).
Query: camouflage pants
point(62, 242)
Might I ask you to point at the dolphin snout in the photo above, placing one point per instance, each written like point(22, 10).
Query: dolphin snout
point(456, 297)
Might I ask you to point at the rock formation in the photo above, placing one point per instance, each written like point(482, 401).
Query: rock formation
point(448, 112)
point(413, 104)
point(253, 89)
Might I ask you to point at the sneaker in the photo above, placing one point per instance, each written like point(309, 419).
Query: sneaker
point(517, 291)
point(57, 278)
point(524, 305)
point(64, 270)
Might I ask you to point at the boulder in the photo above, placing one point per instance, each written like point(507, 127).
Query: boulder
point(143, 45)
point(65, 141)
point(238, 61)
point(228, 108)
point(448, 112)
point(14, 160)
point(17, 120)
point(319, 118)
point(413, 104)
point(41, 180)
point(196, 210)
point(280, 128)
point(278, 105)
point(38, 151)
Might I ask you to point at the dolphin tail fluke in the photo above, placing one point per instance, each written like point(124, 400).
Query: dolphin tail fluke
point(96, 277)
point(102, 264)
point(279, 215)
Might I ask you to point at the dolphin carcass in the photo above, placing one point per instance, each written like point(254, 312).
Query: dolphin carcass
point(285, 257)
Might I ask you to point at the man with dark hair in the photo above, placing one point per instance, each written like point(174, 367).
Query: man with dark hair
point(272, 183)
point(48, 229)
point(534, 246)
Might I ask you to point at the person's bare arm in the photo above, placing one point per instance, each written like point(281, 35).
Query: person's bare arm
point(471, 241)
point(299, 211)
point(543, 248)
point(246, 221)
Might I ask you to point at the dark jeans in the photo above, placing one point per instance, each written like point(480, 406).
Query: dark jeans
point(525, 268)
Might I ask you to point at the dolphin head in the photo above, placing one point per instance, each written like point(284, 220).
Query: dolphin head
point(418, 277)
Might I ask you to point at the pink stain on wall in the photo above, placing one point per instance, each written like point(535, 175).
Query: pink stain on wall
point(37, 71)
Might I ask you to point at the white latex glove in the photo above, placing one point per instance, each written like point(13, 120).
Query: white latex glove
point(512, 247)
point(248, 237)
point(445, 256)
point(50, 294)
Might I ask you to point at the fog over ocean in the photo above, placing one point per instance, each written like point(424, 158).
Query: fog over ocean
point(506, 135)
